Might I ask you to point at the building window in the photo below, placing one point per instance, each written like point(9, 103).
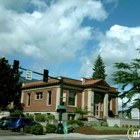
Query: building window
point(49, 97)
point(39, 95)
point(71, 100)
point(28, 99)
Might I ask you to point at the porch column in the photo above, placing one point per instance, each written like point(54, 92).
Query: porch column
point(90, 100)
point(83, 97)
point(106, 105)
point(22, 97)
point(116, 100)
point(57, 97)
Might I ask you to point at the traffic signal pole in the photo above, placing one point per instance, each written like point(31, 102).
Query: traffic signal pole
point(60, 125)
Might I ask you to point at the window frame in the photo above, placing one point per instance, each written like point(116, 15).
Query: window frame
point(40, 95)
point(49, 97)
point(73, 98)
point(28, 103)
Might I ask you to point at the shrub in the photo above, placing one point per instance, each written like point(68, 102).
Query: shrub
point(51, 128)
point(72, 127)
point(104, 124)
point(83, 119)
point(130, 126)
point(37, 129)
point(115, 125)
point(87, 124)
point(27, 129)
point(94, 124)
point(78, 122)
point(126, 125)
point(50, 117)
point(40, 118)
point(30, 116)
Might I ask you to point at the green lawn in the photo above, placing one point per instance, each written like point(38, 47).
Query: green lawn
point(111, 128)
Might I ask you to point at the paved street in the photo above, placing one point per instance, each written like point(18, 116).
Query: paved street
point(8, 135)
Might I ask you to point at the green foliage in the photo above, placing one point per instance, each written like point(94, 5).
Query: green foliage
point(51, 117)
point(17, 113)
point(37, 129)
point(31, 116)
point(51, 128)
point(78, 122)
point(88, 124)
point(99, 69)
point(81, 111)
point(72, 127)
point(27, 129)
point(104, 123)
point(115, 125)
point(127, 75)
point(9, 83)
point(40, 118)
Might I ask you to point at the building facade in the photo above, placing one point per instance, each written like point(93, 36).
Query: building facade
point(44, 97)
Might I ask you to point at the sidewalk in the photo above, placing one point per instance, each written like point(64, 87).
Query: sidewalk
point(60, 136)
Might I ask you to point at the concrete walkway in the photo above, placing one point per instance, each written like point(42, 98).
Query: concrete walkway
point(64, 136)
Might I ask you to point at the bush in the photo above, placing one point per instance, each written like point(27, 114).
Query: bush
point(126, 126)
point(115, 125)
point(72, 127)
point(104, 124)
point(40, 118)
point(94, 124)
point(51, 128)
point(87, 124)
point(78, 122)
point(30, 116)
point(37, 129)
point(51, 117)
point(83, 118)
point(27, 129)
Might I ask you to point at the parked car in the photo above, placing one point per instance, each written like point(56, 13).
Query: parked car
point(19, 123)
point(5, 122)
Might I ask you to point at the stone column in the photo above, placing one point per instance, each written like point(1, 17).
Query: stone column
point(110, 104)
point(116, 100)
point(106, 105)
point(83, 97)
point(57, 96)
point(90, 100)
point(22, 97)
point(99, 109)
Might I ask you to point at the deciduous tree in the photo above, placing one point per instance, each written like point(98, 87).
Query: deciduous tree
point(9, 83)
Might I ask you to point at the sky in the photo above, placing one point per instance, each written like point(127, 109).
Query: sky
point(66, 37)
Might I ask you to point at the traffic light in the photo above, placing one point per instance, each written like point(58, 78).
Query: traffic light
point(16, 66)
point(45, 75)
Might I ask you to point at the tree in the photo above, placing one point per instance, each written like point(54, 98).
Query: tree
point(81, 111)
point(9, 83)
point(99, 69)
point(127, 76)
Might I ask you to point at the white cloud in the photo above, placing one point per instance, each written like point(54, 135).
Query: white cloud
point(118, 44)
point(54, 32)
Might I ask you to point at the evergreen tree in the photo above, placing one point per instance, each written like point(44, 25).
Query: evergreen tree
point(128, 77)
point(99, 69)
point(9, 83)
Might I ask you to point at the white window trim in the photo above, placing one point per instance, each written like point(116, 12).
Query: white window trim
point(48, 98)
point(75, 100)
point(27, 99)
point(36, 95)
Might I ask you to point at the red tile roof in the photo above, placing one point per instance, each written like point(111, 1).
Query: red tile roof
point(85, 83)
